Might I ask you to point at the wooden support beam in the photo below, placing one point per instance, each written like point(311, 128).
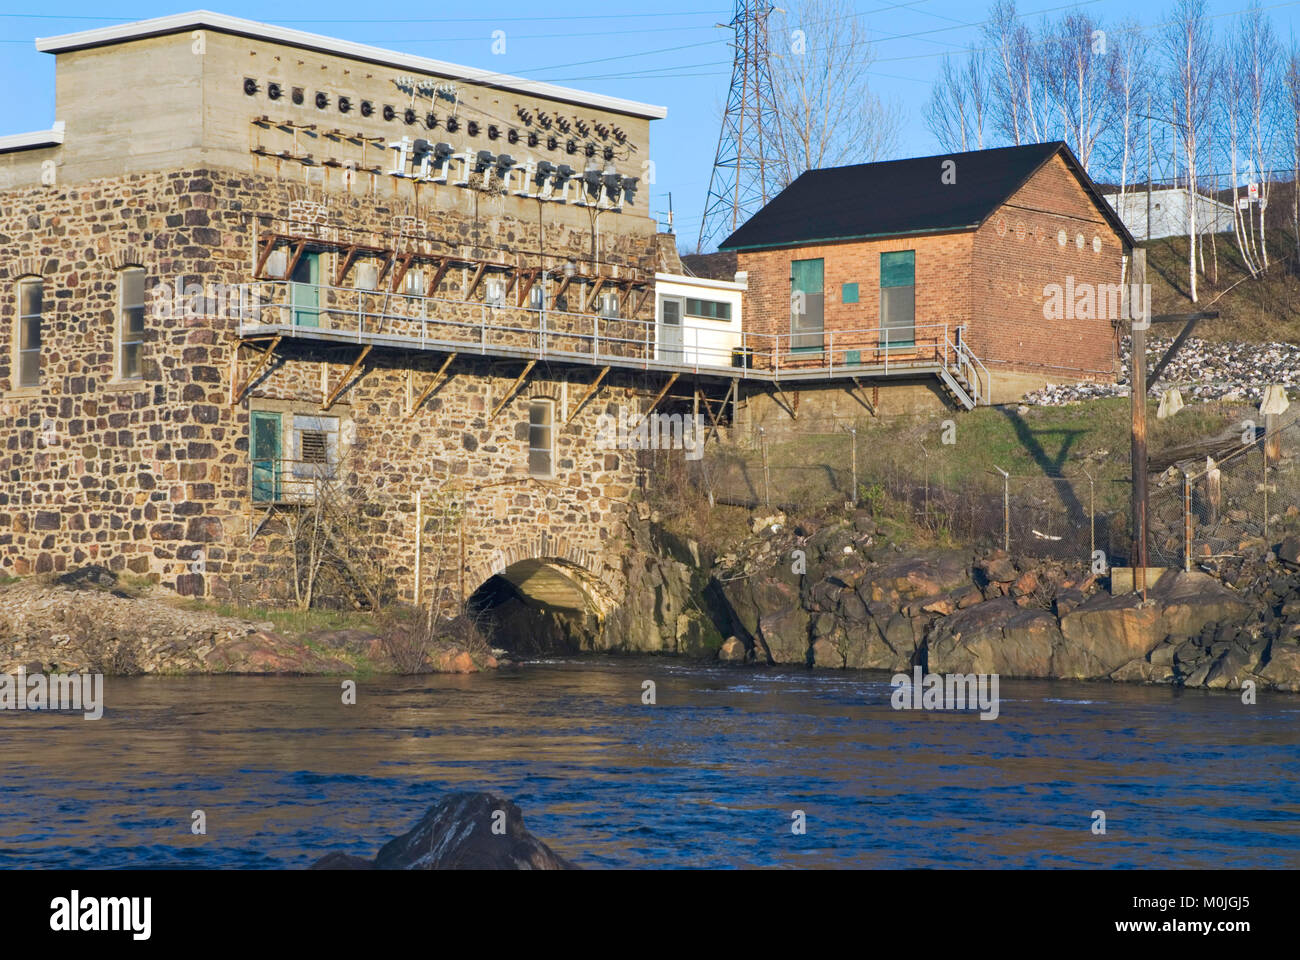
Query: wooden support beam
point(645, 295)
point(713, 417)
point(1174, 347)
point(257, 368)
point(264, 254)
point(564, 285)
point(513, 387)
point(527, 280)
point(389, 257)
point(474, 281)
point(429, 387)
point(444, 264)
point(587, 394)
point(345, 264)
point(293, 262)
point(403, 265)
point(334, 394)
point(655, 402)
point(590, 298)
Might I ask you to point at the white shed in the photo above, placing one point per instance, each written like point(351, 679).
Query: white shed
point(698, 321)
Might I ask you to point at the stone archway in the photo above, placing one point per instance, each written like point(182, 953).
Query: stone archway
point(545, 595)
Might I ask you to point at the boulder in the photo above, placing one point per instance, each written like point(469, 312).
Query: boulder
point(732, 650)
point(995, 637)
point(826, 655)
point(457, 834)
point(1283, 668)
point(785, 634)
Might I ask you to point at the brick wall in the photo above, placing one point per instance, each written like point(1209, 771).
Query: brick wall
point(142, 475)
point(992, 279)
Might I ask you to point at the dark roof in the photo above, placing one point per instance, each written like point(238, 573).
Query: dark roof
point(711, 266)
point(899, 197)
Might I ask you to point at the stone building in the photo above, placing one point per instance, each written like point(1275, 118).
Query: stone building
point(250, 268)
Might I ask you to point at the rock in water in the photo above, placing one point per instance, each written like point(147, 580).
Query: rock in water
point(464, 831)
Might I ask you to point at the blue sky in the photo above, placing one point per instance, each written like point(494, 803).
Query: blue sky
point(676, 56)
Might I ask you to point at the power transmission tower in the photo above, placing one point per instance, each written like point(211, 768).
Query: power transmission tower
point(747, 145)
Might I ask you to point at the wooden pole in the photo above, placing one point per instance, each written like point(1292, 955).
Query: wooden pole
point(419, 531)
point(1138, 398)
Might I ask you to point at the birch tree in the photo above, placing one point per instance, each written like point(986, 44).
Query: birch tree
point(959, 103)
point(1189, 46)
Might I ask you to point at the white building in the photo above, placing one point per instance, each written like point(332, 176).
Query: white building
point(698, 321)
point(1169, 209)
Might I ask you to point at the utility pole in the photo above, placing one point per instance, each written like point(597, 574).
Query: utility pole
point(1138, 395)
point(1148, 168)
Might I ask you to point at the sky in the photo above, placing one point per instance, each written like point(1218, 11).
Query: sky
point(677, 56)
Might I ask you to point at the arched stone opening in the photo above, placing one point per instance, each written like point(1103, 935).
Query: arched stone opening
point(541, 606)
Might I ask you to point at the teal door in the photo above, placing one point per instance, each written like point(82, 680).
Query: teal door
point(807, 300)
point(304, 291)
point(264, 452)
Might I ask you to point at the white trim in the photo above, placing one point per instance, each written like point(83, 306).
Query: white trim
point(197, 19)
point(37, 138)
point(699, 282)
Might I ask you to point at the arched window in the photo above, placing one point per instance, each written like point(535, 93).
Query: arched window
point(28, 341)
point(130, 322)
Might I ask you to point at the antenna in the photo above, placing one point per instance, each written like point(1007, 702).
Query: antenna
point(738, 186)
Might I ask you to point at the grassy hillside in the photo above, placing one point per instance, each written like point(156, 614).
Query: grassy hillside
point(1259, 309)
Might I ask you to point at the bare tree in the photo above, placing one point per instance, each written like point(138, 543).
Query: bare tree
point(1126, 78)
point(1189, 46)
point(1233, 98)
point(1074, 72)
point(1291, 84)
point(1260, 57)
point(827, 114)
point(959, 103)
point(1009, 90)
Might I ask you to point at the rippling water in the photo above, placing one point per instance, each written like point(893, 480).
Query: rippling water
point(708, 776)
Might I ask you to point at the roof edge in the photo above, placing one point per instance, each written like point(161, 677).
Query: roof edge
point(861, 236)
point(33, 140)
point(178, 22)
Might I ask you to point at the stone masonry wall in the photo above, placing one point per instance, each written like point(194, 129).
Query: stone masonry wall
point(141, 475)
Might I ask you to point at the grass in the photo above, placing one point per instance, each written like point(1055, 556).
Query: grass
point(1262, 309)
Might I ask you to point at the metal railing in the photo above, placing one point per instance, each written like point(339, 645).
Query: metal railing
point(495, 327)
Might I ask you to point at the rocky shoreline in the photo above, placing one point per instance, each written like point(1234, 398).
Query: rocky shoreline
point(860, 605)
point(84, 623)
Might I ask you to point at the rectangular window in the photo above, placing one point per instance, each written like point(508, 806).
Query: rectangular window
point(130, 330)
point(535, 296)
point(29, 332)
point(708, 309)
point(898, 298)
point(315, 447)
point(541, 439)
point(849, 293)
point(609, 305)
point(807, 298)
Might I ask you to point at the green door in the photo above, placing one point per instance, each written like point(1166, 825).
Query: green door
point(264, 452)
point(806, 305)
point(305, 291)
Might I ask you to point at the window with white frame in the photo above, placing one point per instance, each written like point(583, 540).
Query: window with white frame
point(541, 438)
point(130, 322)
point(495, 293)
point(609, 305)
point(28, 353)
point(535, 294)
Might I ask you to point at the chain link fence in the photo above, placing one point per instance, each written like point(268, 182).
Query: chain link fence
point(1066, 518)
point(1244, 502)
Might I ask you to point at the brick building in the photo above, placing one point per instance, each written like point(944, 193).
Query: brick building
point(248, 264)
point(945, 266)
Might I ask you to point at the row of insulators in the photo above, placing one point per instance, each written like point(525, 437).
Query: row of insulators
point(274, 91)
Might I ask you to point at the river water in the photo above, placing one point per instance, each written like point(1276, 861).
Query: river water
point(708, 776)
